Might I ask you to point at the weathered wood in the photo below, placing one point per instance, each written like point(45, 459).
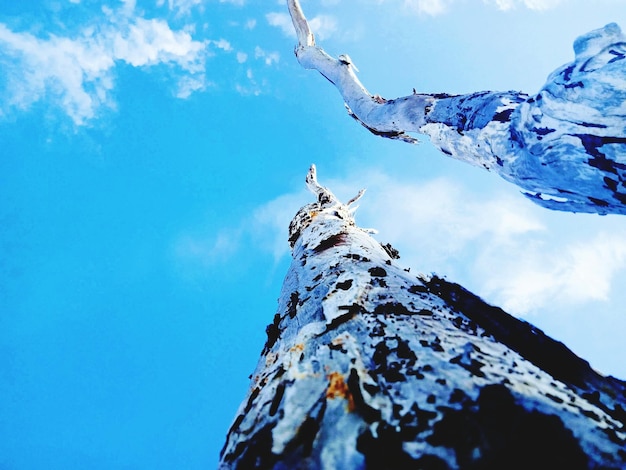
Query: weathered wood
point(368, 366)
point(565, 146)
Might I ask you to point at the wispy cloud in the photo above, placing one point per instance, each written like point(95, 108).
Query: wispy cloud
point(180, 7)
point(429, 7)
point(268, 58)
point(185, 7)
point(570, 273)
point(265, 229)
point(323, 26)
point(510, 252)
point(438, 7)
point(271, 220)
point(207, 250)
point(530, 4)
point(76, 73)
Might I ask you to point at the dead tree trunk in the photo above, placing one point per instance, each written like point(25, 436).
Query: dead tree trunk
point(368, 366)
point(565, 147)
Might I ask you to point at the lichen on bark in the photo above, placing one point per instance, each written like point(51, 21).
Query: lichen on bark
point(367, 366)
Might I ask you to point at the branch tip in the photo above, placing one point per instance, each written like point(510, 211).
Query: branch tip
point(300, 24)
point(356, 198)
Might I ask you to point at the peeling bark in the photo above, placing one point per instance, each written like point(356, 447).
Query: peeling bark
point(565, 146)
point(366, 366)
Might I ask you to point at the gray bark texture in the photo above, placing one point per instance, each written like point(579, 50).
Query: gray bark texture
point(367, 366)
point(565, 146)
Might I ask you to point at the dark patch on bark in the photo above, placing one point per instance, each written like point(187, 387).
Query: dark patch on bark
point(598, 202)
point(256, 451)
point(273, 333)
point(610, 183)
point(472, 365)
point(345, 285)
point(392, 308)
point(391, 251)
point(377, 271)
point(404, 351)
point(527, 340)
point(541, 131)
point(251, 398)
point(592, 144)
point(577, 84)
point(458, 396)
point(301, 446)
point(357, 257)
point(418, 289)
point(531, 343)
point(293, 304)
point(343, 318)
point(496, 433)
point(378, 281)
point(368, 413)
point(384, 451)
point(503, 116)
point(566, 73)
point(590, 414)
point(278, 396)
point(416, 421)
point(333, 240)
point(337, 347)
point(435, 345)
point(388, 368)
point(554, 398)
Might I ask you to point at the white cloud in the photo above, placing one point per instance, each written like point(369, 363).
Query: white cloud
point(441, 205)
point(181, 7)
point(576, 271)
point(242, 57)
point(512, 253)
point(252, 86)
point(266, 229)
point(222, 44)
point(438, 7)
point(282, 21)
point(323, 26)
point(184, 7)
point(271, 221)
point(429, 7)
point(77, 72)
point(207, 250)
point(268, 57)
point(530, 4)
point(187, 85)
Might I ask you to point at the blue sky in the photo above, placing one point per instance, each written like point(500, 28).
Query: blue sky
point(152, 155)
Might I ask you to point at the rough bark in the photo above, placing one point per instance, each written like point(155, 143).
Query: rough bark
point(564, 146)
point(368, 366)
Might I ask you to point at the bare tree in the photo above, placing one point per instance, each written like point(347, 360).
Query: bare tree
point(565, 147)
point(368, 366)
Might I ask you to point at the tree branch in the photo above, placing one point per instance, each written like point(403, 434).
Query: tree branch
point(371, 111)
point(565, 147)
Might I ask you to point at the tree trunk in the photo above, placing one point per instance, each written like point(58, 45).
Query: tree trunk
point(368, 366)
point(565, 147)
